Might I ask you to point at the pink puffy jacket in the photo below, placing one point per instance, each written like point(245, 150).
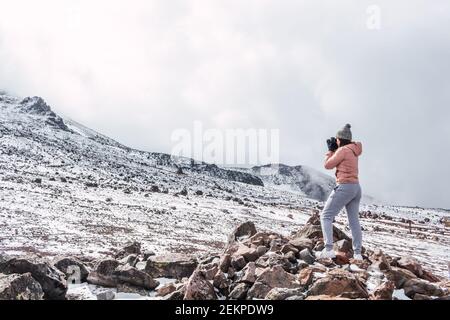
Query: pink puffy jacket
point(345, 160)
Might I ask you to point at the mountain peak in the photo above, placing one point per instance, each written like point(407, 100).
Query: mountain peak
point(36, 105)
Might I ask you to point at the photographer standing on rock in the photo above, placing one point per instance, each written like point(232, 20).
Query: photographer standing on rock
point(343, 155)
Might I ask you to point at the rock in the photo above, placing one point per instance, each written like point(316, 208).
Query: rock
point(154, 188)
point(261, 238)
point(384, 291)
point(20, 287)
point(52, 280)
point(426, 275)
point(341, 258)
point(166, 289)
point(210, 271)
point(249, 273)
point(220, 281)
point(302, 243)
point(147, 254)
point(273, 259)
point(364, 264)
point(130, 260)
point(339, 282)
point(244, 230)
point(379, 261)
point(302, 297)
point(73, 268)
point(414, 286)
point(315, 219)
point(399, 276)
point(249, 254)
point(106, 295)
point(132, 276)
point(103, 273)
point(239, 292)
point(343, 246)
point(315, 231)
point(411, 264)
point(238, 262)
point(131, 248)
point(291, 257)
point(326, 297)
point(306, 256)
point(305, 276)
point(198, 288)
point(176, 295)
point(326, 262)
point(274, 277)
point(261, 250)
point(283, 293)
point(289, 248)
point(301, 265)
point(129, 288)
point(170, 266)
point(419, 296)
point(225, 262)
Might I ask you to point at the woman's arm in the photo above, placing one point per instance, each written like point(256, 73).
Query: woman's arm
point(332, 159)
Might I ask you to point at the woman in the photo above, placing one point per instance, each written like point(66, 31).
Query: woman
point(347, 193)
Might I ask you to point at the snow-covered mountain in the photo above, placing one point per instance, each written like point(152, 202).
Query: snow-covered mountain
point(302, 179)
point(65, 188)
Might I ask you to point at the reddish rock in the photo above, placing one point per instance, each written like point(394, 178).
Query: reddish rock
point(166, 289)
point(326, 297)
point(424, 287)
point(427, 275)
point(411, 264)
point(238, 262)
point(399, 276)
point(302, 243)
point(274, 277)
point(343, 246)
point(198, 288)
point(225, 262)
point(220, 281)
point(305, 276)
point(341, 258)
point(383, 291)
point(249, 273)
point(339, 282)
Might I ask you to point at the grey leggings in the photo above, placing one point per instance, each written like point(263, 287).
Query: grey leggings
point(348, 195)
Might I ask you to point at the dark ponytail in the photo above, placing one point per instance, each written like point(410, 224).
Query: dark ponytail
point(345, 142)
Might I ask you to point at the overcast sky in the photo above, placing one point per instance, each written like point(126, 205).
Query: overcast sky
point(137, 70)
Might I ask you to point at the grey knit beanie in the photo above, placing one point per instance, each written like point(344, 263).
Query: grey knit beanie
point(345, 133)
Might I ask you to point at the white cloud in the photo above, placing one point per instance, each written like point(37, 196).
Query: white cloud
point(137, 71)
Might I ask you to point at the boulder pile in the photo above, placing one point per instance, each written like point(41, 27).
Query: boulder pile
point(254, 265)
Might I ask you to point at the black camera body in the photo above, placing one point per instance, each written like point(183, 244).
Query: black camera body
point(332, 144)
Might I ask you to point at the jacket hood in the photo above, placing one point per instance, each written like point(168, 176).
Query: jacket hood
point(356, 147)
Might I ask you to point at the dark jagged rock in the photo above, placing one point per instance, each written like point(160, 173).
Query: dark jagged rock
point(244, 230)
point(130, 248)
point(71, 267)
point(20, 287)
point(52, 280)
point(171, 266)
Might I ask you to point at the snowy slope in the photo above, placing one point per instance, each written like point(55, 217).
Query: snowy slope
point(65, 189)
